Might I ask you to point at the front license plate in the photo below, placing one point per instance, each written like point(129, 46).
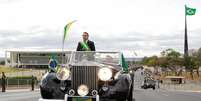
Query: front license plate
point(81, 99)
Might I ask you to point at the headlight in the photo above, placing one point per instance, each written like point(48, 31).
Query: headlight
point(104, 74)
point(83, 90)
point(63, 73)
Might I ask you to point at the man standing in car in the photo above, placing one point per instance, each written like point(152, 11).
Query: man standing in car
point(86, 44)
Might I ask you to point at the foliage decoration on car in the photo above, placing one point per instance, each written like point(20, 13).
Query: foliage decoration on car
point(124, 64)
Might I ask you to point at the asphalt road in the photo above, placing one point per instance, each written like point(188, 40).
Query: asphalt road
point(161, 95)
point(20, 96)
point(140, 94)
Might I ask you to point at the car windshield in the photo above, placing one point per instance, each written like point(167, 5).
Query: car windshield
point(80, 57)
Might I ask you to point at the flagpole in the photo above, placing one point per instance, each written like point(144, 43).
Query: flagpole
point(185, 42)
point(62, 52)
point(185, 37)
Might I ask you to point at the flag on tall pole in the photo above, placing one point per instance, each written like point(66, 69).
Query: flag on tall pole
point(188, 12)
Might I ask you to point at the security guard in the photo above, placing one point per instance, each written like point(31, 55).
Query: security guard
point(3, 82)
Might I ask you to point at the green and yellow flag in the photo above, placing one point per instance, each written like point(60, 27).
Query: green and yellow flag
point(66, 29)
point(190, 11)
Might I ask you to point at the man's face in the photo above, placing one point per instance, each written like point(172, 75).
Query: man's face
point(85, 36)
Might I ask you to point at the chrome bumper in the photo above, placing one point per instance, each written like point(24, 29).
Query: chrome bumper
point(66, 98)
point(49, 100)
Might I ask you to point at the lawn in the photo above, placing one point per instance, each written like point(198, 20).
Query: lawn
point(10, 69)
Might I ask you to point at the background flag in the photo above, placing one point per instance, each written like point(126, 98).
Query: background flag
point(190, 11)
point(124, 64)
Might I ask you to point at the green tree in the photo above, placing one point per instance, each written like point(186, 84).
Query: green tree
point(194, 62)
point(172, 60)
point(151, 61)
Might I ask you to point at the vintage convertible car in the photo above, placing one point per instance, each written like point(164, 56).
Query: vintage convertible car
point(88, 76)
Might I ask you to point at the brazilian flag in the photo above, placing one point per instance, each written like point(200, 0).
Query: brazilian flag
point(53, 63)
point(190, 11)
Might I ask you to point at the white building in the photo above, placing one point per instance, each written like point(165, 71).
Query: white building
point(31, 58)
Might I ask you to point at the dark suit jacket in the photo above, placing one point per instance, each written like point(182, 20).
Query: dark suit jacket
point(89, 43)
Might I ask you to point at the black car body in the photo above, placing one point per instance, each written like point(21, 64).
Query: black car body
point(90, 76)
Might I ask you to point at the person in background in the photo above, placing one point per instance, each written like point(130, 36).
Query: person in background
point(3, 82)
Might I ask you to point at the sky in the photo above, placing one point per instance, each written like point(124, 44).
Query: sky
point(145, 27)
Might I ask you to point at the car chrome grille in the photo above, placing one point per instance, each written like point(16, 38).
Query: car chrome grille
point(84, 75)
